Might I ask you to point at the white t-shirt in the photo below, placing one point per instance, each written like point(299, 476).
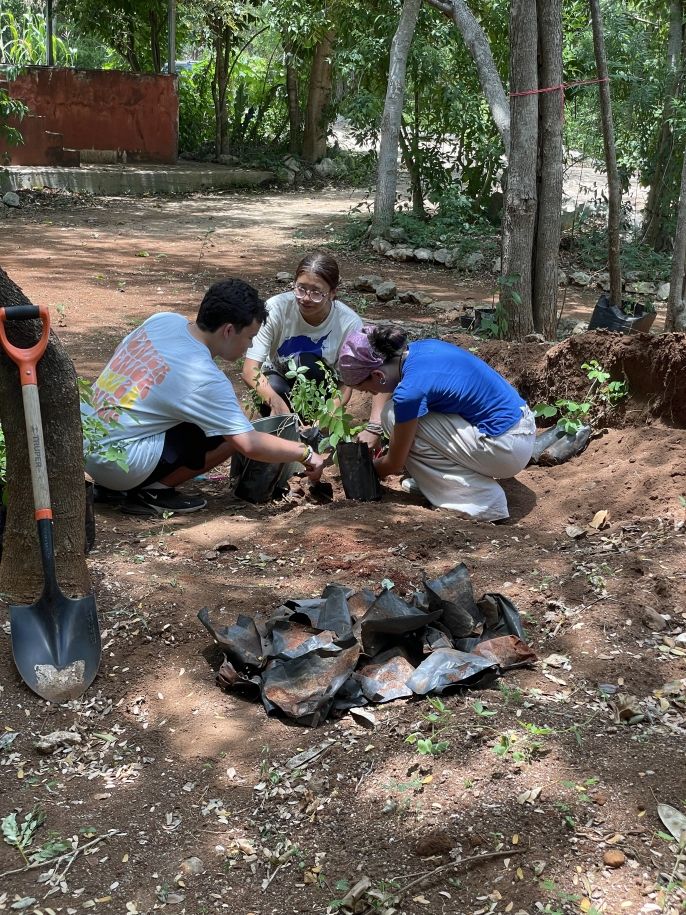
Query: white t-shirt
point(158, 377)
point(285, 334)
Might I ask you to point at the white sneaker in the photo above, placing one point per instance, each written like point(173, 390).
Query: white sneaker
point(409, 485)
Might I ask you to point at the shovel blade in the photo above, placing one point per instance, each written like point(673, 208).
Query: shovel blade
point(56, 645)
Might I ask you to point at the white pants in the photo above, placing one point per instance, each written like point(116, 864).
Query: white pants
point(456, 466)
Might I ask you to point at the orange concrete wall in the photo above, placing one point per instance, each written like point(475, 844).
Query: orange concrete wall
point(105, 109)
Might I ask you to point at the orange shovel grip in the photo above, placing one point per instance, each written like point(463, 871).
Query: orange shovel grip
point(26, 359)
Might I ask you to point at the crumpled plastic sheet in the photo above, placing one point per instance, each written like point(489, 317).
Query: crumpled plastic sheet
point(347, 648)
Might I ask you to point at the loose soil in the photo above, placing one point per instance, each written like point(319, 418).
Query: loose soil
point(545, 798)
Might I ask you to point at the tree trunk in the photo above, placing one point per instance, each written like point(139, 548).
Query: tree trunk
point(293, 95)
point(316, 126)
point(387, 170)
point(410, 158)
point(547, 251)
point(676, 306)
point(659, 203)
point(155, 44)
point(614, 189)
point(519, 218)
point(477, 44)
point(21, 575)
point(220, 83)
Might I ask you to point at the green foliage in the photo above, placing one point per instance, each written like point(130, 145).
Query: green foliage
point(571, 414)
point(23, 40)
point(196, 113)
point(438, 716)
point(319, 404)
point(21, 835)
point(11, 108)
point(590, 251)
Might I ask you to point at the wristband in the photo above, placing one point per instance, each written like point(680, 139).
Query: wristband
point(307, 455)
point(374, 428)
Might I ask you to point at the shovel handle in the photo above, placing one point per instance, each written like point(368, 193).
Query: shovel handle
point(26, 360)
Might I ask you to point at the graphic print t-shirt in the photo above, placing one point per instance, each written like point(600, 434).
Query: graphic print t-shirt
point(286, 335)
point(440, 377)
point(158, 377)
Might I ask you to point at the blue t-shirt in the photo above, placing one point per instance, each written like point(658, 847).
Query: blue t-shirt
point(439, 377)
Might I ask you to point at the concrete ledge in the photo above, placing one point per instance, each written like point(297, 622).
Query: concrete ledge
point(136, 180)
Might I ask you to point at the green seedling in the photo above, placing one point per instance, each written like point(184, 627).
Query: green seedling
point(438, 716)
point(571, 414)
point(318, 403)
point(480, 709)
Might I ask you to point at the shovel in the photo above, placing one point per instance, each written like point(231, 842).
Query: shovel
point(56, 640)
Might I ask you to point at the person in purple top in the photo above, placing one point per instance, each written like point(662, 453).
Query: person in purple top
point(453, 422)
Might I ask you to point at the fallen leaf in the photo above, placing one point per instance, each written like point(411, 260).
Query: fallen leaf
point(674, 820)
point(600, 520)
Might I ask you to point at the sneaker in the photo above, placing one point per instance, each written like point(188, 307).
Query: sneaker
point(159, 501)
point(409, 485)
point(104, 496)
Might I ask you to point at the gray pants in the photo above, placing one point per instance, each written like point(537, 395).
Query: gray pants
point(456, 466)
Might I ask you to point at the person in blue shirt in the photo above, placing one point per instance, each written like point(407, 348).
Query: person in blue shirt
point(453, 422)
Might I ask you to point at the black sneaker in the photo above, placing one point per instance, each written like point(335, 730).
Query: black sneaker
point(160, 501)
point(104, 496)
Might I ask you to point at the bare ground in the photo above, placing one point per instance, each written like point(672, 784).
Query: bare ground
point(542, 773)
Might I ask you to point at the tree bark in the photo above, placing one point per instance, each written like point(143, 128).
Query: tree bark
point(614, 188)
point(676, 306)
point(519, 218)
point(477, 44)
point(220, 83)
point(387, 169)
point(659, 202)
point(293, 95)
point(316, 126)
point(547, 248)
point(21, 575)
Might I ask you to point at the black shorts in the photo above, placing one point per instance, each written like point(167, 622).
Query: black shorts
point(185, 445)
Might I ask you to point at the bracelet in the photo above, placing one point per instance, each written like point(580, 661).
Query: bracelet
point(307, 455)
point(374, 428)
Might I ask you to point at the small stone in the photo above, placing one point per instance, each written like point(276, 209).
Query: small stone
point(663, 292)
point(474, 260)
point(603, 280)
point(227, 160)
point(400, 253)
point(579, 328)
point(10, 199)
point(613, 857)
point(292, 164)
point(534, 338)
point(497, 265)
point(423, 254)
point(579, 278)
point(413, 298)
point(599, 798)
point(326, 168)
point(367, 283)
point(641, 288)
point(381, 245)
point(653, 620)
point(442, 256)
point(191, 866)
point(562, 278)
point(385, 291)
point(284, 277)
point(285, 175)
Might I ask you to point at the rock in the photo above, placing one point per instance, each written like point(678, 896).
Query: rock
point(326, 168)
point(423, 254)
point(579, 278)
point(285, 175)
point(367, 283)
point(579, 328)
point(400, 253)
point(284, 277)
point(562, 278)
point(414, 298)
point(603, 280)
point(396, 234)
point(613, 857)
point(497, 265)
point(292, 164)
point(227, 160)
point(385, 291)
point(663, 292)
point(641, 288)
point(381, 245)
point(10, 199)
point(434, 842)
point(56, 740)
point(653, 620)
point(444, 256)
point(191, 866)
point(534, 338)
point(474, 260)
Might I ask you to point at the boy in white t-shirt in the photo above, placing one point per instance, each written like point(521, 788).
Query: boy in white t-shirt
point(173, 412)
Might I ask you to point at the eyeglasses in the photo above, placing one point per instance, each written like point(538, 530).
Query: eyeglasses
point(314, 295)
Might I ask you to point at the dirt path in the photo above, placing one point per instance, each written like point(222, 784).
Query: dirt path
point(542, 769)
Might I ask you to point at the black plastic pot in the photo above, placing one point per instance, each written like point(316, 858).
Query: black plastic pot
point(257, 481)
point(358, 476)
point(612, 317)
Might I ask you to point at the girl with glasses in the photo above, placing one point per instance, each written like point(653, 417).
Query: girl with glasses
point(307, 325)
